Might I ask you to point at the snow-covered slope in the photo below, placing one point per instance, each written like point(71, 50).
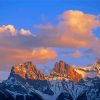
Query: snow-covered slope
point(90, 71)
point(52, 90)
point(26, 82)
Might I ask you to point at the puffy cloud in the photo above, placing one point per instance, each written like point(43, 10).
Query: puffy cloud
point(79, 26)
point(74, 30)
point(43, 55)
point(13, 56)
point(25, 32)
point(12, 38)
point(79, 23)
point(17, 46)
point(10, 30)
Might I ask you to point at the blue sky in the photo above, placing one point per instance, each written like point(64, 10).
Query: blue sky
point(26, 13)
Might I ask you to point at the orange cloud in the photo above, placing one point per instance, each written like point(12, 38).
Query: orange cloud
point(43, 55)
point(13, 56)
point(10, 30)
point(78, 27)
point(79, 23)
point(74, 30)
point(25, 32)
point(71, 42)
point(76, 54)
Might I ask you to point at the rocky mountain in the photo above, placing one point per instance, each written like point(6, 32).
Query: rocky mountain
point(93, 69)
point(65, 82)
point(65, 71)
point(27, 71)
point(61, 71)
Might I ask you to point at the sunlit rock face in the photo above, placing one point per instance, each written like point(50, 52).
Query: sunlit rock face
point(65, 81)
point(61, 71)
point(97, 67)
point(27, 71)
point(65, 71)
point(93, 70)
point(60, 68)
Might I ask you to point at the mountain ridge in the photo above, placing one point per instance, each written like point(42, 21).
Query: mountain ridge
point(26, 82)
point(61, 71)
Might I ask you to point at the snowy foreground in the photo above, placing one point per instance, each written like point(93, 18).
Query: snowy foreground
point(88, 89)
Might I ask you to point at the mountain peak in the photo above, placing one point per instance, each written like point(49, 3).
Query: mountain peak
point(27, 70)
point(61, 71)
point(60, 67)
point(65, 71)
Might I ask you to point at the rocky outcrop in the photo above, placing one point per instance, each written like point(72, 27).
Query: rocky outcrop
point(65, 71)
point(27, 71)
point(61, 71)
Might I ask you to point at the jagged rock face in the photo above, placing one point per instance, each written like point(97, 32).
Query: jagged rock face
point(65, 71)
point(60, 67)
point(26, 82)
point(97, 67)
point(60, 71)
point(73, 75)
point(27, 71)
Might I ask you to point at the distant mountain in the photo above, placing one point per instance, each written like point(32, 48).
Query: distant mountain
point(65, 82)
point(93, 69)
